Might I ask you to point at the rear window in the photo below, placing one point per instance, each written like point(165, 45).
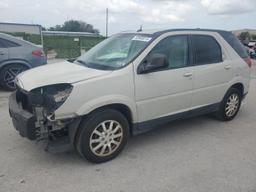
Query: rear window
point(235, 43)
point(6, 43)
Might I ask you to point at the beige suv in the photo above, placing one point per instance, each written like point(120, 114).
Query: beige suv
point(128, 84)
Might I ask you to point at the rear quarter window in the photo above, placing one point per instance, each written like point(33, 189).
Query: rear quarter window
point(234, 42)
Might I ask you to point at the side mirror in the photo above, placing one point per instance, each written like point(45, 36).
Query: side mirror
point(156, 62)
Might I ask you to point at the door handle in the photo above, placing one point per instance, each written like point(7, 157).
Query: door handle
point(1, 53)
point(187, 74)
point(227, 67)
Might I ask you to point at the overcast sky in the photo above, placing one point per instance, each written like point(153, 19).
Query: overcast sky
point(130, 14)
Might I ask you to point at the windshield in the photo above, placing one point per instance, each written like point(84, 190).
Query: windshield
point(115, 52)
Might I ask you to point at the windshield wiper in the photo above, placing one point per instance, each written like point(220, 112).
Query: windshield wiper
point(71, 60)
point(81, 62)
point(95, 65)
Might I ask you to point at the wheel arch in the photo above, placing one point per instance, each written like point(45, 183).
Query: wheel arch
point(120, 107)
point(221, 114)
point(14, 61)
point(238, 86)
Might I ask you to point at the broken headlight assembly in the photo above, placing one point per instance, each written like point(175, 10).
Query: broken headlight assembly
point(50, 97)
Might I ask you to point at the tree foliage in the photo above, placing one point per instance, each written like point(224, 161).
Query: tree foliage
point(245, 36)
point(74, 26)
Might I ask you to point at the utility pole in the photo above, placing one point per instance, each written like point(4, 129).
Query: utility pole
point(107, 22)
point(41, 34)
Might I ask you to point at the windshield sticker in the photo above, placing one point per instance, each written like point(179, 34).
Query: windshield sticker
point(141, 38)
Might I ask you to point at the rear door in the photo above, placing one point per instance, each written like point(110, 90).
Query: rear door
point(212, 70)
point(3, 51)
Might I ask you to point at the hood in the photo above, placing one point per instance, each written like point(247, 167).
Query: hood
point(63, 72)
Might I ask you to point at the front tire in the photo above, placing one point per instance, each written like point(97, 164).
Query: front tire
point(230, 105)
point(103, 135)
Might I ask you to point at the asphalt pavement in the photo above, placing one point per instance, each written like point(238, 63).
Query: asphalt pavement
point(200, 154)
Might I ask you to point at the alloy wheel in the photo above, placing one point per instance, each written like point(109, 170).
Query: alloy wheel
point(232, 105)
point(106, 138)
point(10, 75)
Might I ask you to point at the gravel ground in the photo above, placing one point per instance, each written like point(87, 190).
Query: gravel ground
point(197, 155)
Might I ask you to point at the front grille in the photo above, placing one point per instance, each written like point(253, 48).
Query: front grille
point(22, 97)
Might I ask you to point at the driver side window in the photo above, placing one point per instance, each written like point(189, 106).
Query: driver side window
point(175, 48)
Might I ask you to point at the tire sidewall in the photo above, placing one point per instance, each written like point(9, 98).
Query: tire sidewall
point(90, 123)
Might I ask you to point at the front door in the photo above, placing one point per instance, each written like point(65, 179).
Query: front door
point(165, 92)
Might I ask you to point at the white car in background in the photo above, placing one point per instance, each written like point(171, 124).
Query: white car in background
point(128, 84)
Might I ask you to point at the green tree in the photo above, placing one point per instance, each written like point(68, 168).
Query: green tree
point(245, 36)
point(254, 36)
point(75, 26)
point(56, 28)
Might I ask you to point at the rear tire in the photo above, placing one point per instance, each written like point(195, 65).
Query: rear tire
point(102, 136)
point(230, 105)
point(8, 74)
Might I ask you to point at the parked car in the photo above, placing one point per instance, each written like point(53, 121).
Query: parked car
point(129, 84)
point(252, 44)
point(251, 52)
point(16, 56)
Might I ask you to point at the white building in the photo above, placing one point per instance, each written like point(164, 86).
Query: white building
point(20, 28)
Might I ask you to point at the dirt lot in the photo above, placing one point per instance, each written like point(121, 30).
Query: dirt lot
point(197, 155)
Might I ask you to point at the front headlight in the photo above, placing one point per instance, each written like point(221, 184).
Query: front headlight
point(51, 97)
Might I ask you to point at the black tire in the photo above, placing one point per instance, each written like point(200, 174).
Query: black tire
point(89, 126)
point(222, 114)
point(8, 74)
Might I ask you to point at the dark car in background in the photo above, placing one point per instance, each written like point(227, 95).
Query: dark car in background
point(251, 49)
point(16, 56)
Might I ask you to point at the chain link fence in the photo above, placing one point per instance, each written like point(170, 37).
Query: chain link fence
point(60, 46)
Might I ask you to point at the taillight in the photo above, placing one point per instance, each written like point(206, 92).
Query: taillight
point(248, 61)
point(38, 52)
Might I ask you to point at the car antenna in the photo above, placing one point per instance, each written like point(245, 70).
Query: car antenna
point(140, 29)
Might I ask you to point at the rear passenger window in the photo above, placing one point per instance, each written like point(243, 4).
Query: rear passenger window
point(206, 50)
point(7, 43)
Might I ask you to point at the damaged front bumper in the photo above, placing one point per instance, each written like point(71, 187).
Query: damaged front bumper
point(31, 123)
